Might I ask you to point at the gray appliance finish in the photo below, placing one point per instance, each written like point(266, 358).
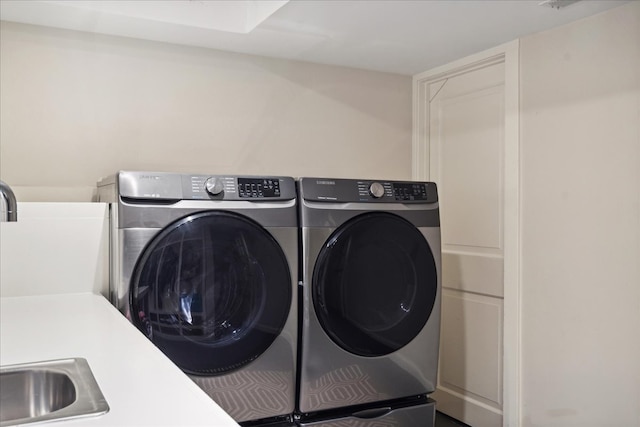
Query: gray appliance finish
point(421, 415)
point(370, 293)
point(206, 267)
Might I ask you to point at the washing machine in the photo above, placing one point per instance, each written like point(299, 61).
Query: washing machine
point(206, 267)
point(370, 295)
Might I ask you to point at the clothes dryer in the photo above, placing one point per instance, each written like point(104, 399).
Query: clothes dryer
point(370, 300)
point(206, 267)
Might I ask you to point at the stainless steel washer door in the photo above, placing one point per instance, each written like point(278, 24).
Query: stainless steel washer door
point(374, 284)
point(212, 291)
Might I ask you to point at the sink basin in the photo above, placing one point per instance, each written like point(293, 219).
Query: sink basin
point(47, 391)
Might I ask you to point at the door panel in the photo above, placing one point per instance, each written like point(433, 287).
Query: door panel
point(469, 162)
point(473, 272)
point(466, 133)
point(470, 346)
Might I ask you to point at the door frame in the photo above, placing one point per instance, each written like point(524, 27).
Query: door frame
point(507, 53)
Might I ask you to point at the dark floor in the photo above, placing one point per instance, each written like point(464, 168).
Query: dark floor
point(443, 420)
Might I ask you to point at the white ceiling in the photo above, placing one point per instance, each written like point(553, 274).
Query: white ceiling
point(397, 36)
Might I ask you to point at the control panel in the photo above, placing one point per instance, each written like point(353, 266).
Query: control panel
point(165, 187)
point(240, 188)
point(410, 191)
point(370, 191)
point(258, 187)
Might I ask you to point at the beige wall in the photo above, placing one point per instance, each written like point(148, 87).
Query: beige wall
point(75, 107)
point(580, 150)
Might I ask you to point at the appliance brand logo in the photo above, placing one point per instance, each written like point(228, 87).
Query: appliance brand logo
point(150, 177)
point(325, 182)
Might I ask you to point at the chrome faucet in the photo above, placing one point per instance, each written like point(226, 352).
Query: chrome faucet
point(8, 203)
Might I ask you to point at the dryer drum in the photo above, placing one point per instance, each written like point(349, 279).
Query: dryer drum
point(374, 284)
point(212, 291)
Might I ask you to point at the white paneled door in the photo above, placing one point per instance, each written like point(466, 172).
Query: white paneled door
point(463, 133)
point(466, 141)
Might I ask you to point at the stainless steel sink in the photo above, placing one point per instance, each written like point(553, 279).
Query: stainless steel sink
point(47, 391)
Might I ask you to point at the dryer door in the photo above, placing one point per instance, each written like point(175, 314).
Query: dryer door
point(212, 291)
point(374, 284)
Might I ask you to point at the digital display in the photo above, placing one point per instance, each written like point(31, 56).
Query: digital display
point(258, 187)
point(410, 191)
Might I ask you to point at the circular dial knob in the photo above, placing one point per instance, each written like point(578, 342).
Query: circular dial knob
point(376, 190)
point(214, 186)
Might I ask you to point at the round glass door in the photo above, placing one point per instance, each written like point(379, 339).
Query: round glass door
point(374, 284)
point(212, 291)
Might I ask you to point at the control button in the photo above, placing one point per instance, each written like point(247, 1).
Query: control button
point(376, 190)
point(214, 186)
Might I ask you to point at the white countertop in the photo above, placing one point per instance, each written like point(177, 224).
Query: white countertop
point(141, 385)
